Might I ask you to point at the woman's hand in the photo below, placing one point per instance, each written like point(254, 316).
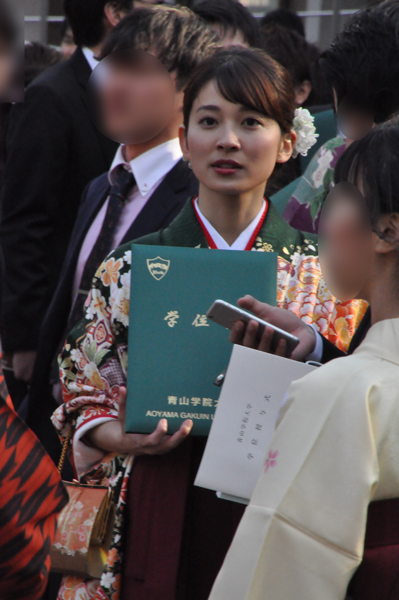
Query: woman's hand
point(111, 436)
point(284, 319)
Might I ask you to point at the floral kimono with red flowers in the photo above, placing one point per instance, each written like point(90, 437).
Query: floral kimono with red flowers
point(93, 364)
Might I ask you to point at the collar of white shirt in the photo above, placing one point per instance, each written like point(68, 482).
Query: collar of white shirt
point(242, 241)
point(151, 166)
point(89, 55)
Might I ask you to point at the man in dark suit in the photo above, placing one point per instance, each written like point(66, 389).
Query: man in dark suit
point(160, 184)
point(52, 151)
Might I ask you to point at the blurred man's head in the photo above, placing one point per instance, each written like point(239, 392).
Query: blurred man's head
point(232, 21)
point(92, 20)
point(174, 36)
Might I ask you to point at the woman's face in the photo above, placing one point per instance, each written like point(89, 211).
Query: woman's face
point(232, 149)
point(345, 241)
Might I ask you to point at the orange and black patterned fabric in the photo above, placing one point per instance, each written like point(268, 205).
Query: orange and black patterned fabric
point(31, 496)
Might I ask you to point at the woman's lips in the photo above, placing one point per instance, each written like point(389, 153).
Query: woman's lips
point(226, 167)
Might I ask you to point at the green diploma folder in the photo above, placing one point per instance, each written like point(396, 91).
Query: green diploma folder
point(175, 353)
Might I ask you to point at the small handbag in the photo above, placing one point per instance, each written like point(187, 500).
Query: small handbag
point(85, 527)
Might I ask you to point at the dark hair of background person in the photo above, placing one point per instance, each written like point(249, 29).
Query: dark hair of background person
point(372, 163)
point(285, 18)
point(363, 59)
point(86, 18)
point(300, 58)
point(290, 50)
point(177, 37)
point(230, 15)
point(252, 78)
point(38, 58)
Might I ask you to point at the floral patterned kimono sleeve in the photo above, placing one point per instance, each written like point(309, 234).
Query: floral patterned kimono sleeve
point(93, 363)
point(302, 290)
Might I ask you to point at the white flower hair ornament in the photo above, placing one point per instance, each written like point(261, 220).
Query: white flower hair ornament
point(305, 132)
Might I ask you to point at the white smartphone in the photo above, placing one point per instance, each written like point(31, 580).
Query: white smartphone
point(226, 314)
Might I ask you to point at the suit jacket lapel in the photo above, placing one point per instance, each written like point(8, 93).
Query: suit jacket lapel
point(96, 196)
point(80, 67)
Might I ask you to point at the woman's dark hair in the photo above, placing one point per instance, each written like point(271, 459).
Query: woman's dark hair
point(230, 14)
point(363, 59)
point(372, 164)
point(249, 77)
point(177, 37)
point(284, 17)
point(8, 25)
point(86, 18)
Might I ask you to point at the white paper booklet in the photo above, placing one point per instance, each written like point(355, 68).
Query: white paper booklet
point(253, 390)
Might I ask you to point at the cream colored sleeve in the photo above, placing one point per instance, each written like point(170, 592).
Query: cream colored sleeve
point(301, 537)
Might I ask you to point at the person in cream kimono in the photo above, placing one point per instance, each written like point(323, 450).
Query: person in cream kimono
point(327, 499)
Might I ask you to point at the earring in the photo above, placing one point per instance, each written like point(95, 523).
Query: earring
point(189, 165)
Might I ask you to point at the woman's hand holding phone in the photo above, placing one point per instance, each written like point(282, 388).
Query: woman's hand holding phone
point(279, 317)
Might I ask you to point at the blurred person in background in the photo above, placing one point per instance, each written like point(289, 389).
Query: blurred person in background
point(350, 68)
point(68, 45)
point(233, 22)
point(292, 51)
point(52, 151)
point(285, 18)
point(38, 58)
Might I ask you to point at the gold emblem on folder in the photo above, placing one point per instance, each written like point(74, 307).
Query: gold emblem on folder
point(158, 267)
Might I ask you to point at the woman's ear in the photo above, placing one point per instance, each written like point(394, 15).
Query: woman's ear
point(302, 92)
point(286, 147)
point(387, 239)
point(183, 142)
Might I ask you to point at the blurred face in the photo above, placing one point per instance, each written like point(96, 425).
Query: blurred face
point(136, 97)
point(345, 241)
point(232, 149)
point(68, 46)
point(355, 116)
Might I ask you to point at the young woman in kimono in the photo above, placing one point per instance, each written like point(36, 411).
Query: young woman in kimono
point(238, 114)
point(328, 497)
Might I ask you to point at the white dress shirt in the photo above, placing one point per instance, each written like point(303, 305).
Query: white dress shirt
point(149, 170)
point(89, 56)
point(242, 241)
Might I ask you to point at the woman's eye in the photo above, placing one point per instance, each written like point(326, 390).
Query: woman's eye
point(208, 121)
point(251, 122)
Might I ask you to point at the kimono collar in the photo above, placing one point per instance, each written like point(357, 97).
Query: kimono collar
point(382, 340)
point(275, 234)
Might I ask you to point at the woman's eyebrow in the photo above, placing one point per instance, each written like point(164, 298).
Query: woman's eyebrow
point(208, 107)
